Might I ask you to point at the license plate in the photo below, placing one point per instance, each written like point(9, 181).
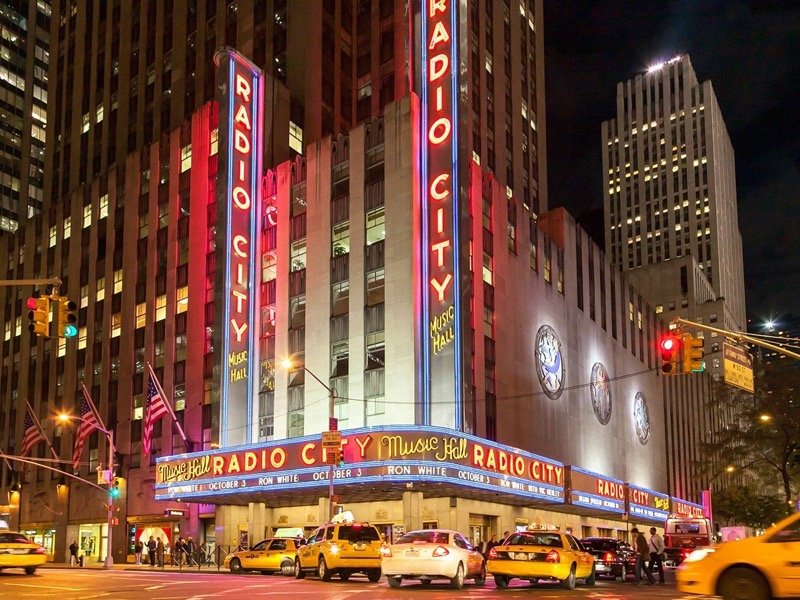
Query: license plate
point(360, 546)
point(520, 556)
point(412, 553)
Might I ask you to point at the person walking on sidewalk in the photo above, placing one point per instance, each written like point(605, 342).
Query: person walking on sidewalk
point(656, 547)
point(137, 550)
point(151, 550)
point(73, 553)
point(160, 552)
point(642, 554)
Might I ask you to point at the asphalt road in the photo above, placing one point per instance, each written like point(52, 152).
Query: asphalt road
point(84, 584)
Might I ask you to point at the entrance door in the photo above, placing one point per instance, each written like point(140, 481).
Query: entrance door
point(481, 528)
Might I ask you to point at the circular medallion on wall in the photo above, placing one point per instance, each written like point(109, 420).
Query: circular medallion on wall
point(549, 363)
point(601, 393)
point(641, 418)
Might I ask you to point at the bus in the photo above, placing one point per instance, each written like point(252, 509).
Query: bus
point(684, 533)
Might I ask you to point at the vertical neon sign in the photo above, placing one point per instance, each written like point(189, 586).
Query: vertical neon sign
point(238, 201)
point(441, 301)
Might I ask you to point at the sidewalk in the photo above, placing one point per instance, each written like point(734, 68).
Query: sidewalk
point(98, 566)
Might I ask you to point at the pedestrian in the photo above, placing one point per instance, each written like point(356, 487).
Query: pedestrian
point(160, 552)
point(137, 550)
point(505, 536)
point(656, 547)
point(189, 548)
point(491, 544)
point(73, 553)
point(642, 554)
point(177, 551)
point(151, 550)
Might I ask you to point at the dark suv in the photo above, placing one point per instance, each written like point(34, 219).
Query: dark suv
point(612, 557)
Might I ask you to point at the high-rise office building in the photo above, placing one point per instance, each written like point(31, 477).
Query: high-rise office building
point(669, 184)
point(24, 59)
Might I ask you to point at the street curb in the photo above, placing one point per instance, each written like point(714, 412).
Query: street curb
point(129, 567)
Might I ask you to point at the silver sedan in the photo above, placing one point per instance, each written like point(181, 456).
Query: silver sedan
point(433, 554)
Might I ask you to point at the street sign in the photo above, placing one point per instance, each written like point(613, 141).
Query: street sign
point(738, 367)
point(333, 424)
point(103, 476)
point(174, 512)
point(331, 439)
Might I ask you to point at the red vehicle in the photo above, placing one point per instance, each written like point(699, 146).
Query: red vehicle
point(684, 533)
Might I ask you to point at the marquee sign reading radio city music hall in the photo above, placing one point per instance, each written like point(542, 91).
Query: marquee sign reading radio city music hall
point(416, 472)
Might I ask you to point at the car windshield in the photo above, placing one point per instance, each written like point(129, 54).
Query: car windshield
point(552, 540)
point(686, 527)
point(358, 533)
point(430, 537)
point(604, 545)
point(13, 538)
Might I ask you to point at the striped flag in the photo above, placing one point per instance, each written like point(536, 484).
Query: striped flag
point(32, 434)
point(155, 409)
point(86, 425)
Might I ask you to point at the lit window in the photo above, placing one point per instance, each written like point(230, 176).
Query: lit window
point(488, 275)
point(67, 227)
point(376, 225)
point(186, 158)
point(62, 347)
point(99, 113)
point(7, 333)
point(269, 266)
point(297, 258)
point(103, 206)
point(214, 141)
point(86, 122)
point(87, 216)
point(53, 235)
point(161, 308)
point(340, 239)
point(116, 325)
point(141, 318)
point(118, 281)
point(182, 300)
point(82, 338)
point(295, 137)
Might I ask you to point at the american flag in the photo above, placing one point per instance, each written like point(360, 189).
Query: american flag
point(87, 424)
point(155, 409)
point(32, 435)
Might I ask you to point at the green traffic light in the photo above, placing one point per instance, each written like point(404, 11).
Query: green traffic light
point(70, 331)
point(114, 492)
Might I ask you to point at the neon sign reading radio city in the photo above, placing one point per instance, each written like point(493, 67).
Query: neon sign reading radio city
point(440, 177)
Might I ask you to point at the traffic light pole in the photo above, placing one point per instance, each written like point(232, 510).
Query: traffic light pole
point(54, 281)
point(737, 336)
point(109, 561)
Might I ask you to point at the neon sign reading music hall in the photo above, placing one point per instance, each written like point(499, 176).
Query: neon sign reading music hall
point(439, 194)
point(238, 193)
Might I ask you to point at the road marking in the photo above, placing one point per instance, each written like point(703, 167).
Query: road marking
point(154, 587)
point(48, 587)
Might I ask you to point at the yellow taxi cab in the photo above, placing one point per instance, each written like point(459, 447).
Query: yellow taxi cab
point(17, 551)
point(767, 566)
point(270, 556)
point(540, 554)
point(342, 547)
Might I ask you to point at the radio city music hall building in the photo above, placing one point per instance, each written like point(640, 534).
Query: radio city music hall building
point(491, 368)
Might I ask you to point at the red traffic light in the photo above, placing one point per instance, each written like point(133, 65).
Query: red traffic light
point(32, 303)
point(667, 344)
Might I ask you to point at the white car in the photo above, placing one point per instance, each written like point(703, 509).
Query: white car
point(433, 554)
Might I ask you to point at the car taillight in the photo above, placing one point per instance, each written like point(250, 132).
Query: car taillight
point(608, 557)
point(40, 550)
point(386, 551)
point(553, 557)
point(441, 551)
point(493, 553)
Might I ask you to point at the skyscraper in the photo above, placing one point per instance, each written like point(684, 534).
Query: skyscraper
point(24, 59)
point(670, 192)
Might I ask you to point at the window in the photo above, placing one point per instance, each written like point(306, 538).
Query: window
point(53, 235)
point(67, 227)
point(297, 258)
point(295, 137)
point(340, 355)
point(182, 300)
point(103, 206)
point(269, 267)
point(488, 275)
point(116, 325)
point(186, 158)
point(161, 308)
point(141, 318)
point(376, 287)
point(214, 141)
point(101, 289)
point(340, 239)
point(296, 408)
point(340, 298)
point(118, 281)
point(376, 225)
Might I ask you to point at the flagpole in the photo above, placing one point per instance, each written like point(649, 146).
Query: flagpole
point(167, 403)
point(41, 431)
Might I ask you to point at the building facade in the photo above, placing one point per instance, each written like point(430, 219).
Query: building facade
point(479, 346)
point(24, 61)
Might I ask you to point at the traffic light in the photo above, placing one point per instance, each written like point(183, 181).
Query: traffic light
point(67, 318)
point(693, 354)
point(114, 491)
point(670, 347)
point(39, 316)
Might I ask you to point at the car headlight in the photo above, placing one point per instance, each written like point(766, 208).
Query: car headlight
point(699, 554)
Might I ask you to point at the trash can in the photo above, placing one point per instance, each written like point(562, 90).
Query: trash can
point(80, 560)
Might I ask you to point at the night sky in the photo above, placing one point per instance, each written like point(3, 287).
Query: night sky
point(751, 53)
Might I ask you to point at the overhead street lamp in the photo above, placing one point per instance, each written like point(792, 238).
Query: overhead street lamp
point(64, 418)
point(332, 423)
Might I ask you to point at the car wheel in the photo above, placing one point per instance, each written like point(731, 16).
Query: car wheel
point(623, 574)
point(394, 582)
point(322, 570)
point(569, 582)
point(236, 566)
point(298, 571)
point(287, 568)
point(741, 583)
point(590, 580)
point(480, 579)
point(374, 575)
point(501, 581)
point(457, 582)
point(30, 570)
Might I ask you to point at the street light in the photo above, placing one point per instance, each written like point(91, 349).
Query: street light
point(65, 418)
point(288, 364)
point(765, 418)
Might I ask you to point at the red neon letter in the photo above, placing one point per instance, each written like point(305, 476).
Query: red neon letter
point(239, 330)
point(238, 242)
point(439, 35)
point(437, 66)
point(242, 87)
point(436, 194)
point(437, 6)
point(439, 248)
point(242, 117)
point(241, 198)
point(439, 131)
point(241, 142)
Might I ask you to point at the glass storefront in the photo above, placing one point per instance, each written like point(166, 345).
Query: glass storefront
point(44, 537)
point(92, 541)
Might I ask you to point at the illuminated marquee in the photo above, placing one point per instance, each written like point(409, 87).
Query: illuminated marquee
point(440, 239)
point(592, 490)
point(647, 504)
point(684, 507)
point(374, 454)
point(239, 195)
